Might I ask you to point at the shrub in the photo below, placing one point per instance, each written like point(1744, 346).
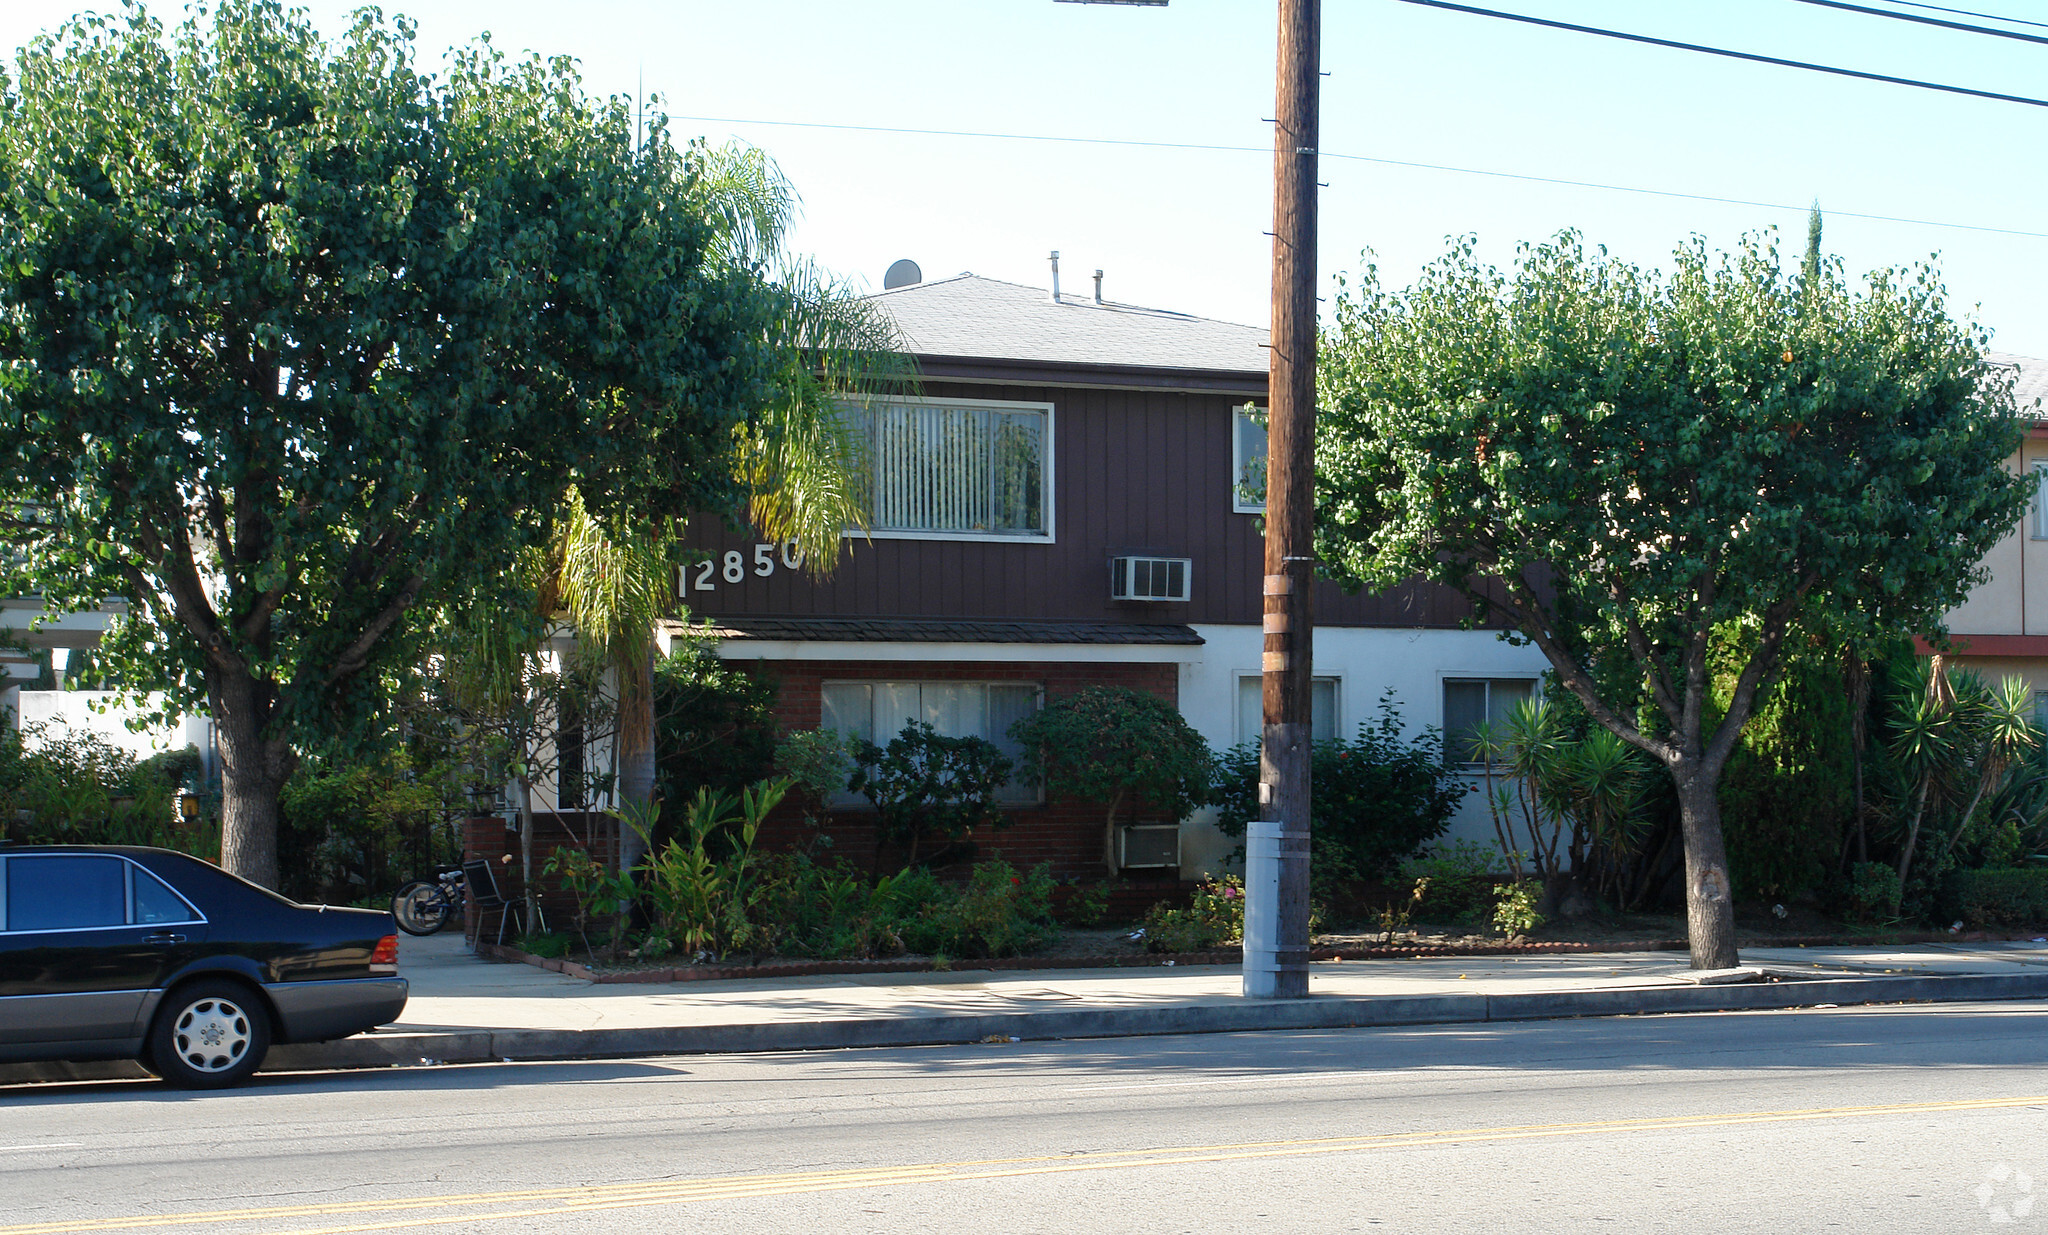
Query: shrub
point(1461, 876)
point(1214, 917)
point(2001, 897)
point(1787, 793)
point(1873, 890)
point(925, 784)
point(998, 912)
point(714, 722)
point(1375, 799)
point(1514, 908)
point(348, 829)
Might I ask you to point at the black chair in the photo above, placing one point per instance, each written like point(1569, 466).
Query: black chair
point(482, 883)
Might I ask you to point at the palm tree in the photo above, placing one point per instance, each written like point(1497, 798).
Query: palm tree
point(797, 456)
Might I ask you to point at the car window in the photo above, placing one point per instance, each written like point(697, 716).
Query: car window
point(155, 902)
point(70, 891)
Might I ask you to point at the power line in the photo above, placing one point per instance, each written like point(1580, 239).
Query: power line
point(1729, 54)
point(1927, 21)
point(1942, 8)
point(1365, 158)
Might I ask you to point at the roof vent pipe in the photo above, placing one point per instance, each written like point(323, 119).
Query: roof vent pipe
point(1098, 287)
point(1055, 276)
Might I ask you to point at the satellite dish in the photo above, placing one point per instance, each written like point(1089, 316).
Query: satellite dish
point(902, 274)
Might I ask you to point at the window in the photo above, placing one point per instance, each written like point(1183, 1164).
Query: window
point(964, 467)
point(2041, 499)
point(1468, 701)
point(1251, 708)
point(64, 893)
point(155, 902)
point(878, 711)
point(1248, 459)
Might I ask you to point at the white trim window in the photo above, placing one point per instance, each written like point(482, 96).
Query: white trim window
point(2041, 499)
point(878, 711)
point(1468, 701)
point(1248, 459)
point(958, 469)
point(1251, 708)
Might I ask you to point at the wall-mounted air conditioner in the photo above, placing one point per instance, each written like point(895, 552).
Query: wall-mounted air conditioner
point(1150, 578)
point(1148, 846)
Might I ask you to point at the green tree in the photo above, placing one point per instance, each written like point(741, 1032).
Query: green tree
point(925, 784)
point(1117, 748)
point(293, 335)
point(1628, 462)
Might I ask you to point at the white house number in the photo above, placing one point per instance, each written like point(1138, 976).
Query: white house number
point(734, 565)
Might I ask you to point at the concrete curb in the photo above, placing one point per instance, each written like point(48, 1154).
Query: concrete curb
point(385, 1050)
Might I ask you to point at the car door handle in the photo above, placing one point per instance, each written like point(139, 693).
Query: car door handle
point(163, 939)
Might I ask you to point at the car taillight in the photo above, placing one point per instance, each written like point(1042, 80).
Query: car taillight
point(386, 952)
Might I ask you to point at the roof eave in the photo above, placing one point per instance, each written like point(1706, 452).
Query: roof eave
point(1050, 373)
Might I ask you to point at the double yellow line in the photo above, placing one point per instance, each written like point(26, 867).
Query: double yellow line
point(478, 1207)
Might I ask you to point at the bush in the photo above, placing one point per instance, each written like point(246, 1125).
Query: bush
point(924, 784)
point(998, 912)
point(79, 789)
point(1787, 792)
point(350, 829)
point(714, 723)
point(1461, 878)
point(1214, 917)
point(1120, 749)
point(1873, 890)
point(2001, 897)
point(1376, 799)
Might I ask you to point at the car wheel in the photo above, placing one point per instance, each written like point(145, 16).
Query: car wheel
point(209, 1034)
point(420, 908)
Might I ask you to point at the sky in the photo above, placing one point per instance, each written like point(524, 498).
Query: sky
point(1185, 229)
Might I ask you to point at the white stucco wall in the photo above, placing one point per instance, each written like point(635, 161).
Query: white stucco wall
point(1365, 662)
point(96, 711)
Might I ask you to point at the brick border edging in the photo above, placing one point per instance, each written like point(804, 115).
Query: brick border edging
point(1220, 956)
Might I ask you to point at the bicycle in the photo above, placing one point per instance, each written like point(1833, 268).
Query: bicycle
point(425, 906)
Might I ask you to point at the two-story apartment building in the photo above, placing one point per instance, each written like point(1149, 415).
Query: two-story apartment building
point(2002, 629)
point(1074, 498)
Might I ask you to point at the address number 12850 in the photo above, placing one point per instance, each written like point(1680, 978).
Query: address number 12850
point(733, 567)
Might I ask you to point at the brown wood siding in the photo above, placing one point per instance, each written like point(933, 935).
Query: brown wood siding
point(1135, 472)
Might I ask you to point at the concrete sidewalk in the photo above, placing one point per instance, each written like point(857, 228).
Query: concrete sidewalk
point(466, 1009)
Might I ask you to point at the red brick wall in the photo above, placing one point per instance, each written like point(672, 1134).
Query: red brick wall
point(1065, 833)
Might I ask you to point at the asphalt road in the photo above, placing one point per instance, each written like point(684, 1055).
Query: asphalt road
point(1895, 1119)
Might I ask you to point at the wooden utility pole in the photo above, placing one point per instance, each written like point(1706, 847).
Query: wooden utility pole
point(1276, 947)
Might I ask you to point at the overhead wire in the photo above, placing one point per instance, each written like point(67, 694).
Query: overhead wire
point(1728, 53)
point(1942, 8)
point(1927, 21)
point(1365, 158)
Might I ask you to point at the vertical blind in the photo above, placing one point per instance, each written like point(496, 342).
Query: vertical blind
point(956, 469)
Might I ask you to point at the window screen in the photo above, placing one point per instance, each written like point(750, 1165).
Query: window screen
point(58, 892)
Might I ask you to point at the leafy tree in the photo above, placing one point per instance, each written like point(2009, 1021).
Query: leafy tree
point(926, 784)
point(294, 337)
point(1117, 747)
point(1628, 462)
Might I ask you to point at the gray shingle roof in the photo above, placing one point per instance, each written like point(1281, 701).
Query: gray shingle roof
point(969, 316)
point(949, 630)
point(2030, 393)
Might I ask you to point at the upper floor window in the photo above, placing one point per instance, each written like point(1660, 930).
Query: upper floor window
point(2041, 499)
point(1469, 701)
point(959, 468)
point(1248, 459)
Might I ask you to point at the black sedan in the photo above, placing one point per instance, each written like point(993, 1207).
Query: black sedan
point(117, 952)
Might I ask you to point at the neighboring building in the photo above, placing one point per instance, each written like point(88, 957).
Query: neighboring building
point(1074, 499)
point(2002, 629)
